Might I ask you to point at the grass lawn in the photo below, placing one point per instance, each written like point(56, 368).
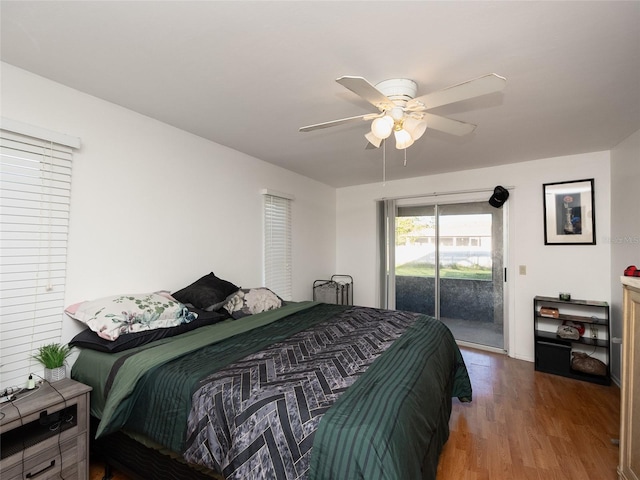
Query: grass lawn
point(415, 269)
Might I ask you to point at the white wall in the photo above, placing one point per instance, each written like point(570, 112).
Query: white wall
point(625, 226)
point(582, 270)
point(154, 207)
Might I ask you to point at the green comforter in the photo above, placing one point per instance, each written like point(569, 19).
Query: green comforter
point(115, 376)
point(393, 422)
point(397, 409)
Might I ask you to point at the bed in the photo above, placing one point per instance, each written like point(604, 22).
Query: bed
point(304, 391)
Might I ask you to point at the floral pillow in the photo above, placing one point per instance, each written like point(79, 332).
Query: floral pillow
point(248, 301)
point(112, 316)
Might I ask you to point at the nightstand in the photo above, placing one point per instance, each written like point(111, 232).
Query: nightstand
point(46, 434)
point(629, 468)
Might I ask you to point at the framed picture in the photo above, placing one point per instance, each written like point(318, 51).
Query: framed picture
point(569, 216)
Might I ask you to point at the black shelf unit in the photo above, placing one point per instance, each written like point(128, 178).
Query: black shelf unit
point(553, 353)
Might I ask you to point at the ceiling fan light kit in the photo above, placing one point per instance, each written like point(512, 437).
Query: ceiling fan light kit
point(372, 139)
point(406, 130)
point(404, 114)
point(416, 127)
point(403, 138)
point(382, 127)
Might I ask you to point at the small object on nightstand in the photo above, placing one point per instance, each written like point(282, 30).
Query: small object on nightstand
point(31, 383)
point(565, 297)
point(631, 271)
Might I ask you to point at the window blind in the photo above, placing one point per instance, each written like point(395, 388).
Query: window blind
point(35, 193)
point(277, 244)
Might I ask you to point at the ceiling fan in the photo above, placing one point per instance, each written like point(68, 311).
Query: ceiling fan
point(406, 116)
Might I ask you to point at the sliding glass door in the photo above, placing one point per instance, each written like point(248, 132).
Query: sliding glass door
point(446, 260)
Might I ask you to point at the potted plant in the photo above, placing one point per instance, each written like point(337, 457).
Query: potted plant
point(53, 356)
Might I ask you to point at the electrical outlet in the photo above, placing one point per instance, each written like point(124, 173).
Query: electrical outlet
point(594, 332)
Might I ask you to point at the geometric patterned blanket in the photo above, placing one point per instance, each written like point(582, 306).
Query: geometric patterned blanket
point(257, 417)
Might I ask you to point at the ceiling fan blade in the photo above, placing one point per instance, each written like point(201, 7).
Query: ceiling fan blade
point(363, 88)
point(484, 85)
point(333, 123)
point(448, 125)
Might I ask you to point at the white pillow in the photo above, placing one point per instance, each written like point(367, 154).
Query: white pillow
point(113, 316)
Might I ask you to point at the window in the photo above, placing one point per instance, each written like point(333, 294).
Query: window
point(277, 243)
point(35, 181)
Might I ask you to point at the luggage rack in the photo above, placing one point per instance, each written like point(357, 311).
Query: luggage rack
point(338, 290)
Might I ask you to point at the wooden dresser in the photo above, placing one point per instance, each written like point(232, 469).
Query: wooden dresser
point(629, 468)
point(46, 434)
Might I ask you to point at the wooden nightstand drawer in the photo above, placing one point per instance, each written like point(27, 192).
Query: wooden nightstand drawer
point(51, 462)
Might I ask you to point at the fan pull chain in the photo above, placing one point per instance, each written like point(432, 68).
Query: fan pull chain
point(405, 157)
point(384, 162)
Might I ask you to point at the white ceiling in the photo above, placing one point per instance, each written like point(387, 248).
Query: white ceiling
point(248, 74)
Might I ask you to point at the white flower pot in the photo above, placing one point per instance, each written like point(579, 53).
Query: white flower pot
point(55, 374)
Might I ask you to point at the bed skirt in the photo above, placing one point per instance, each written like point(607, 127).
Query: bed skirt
point(138, 461)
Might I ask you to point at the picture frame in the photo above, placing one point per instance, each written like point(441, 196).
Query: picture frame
point(569, 213)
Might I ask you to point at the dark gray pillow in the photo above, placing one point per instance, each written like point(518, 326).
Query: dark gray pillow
point(207, 293)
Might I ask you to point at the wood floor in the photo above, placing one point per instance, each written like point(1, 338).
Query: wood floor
point(528, 425)
point(524, 425)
